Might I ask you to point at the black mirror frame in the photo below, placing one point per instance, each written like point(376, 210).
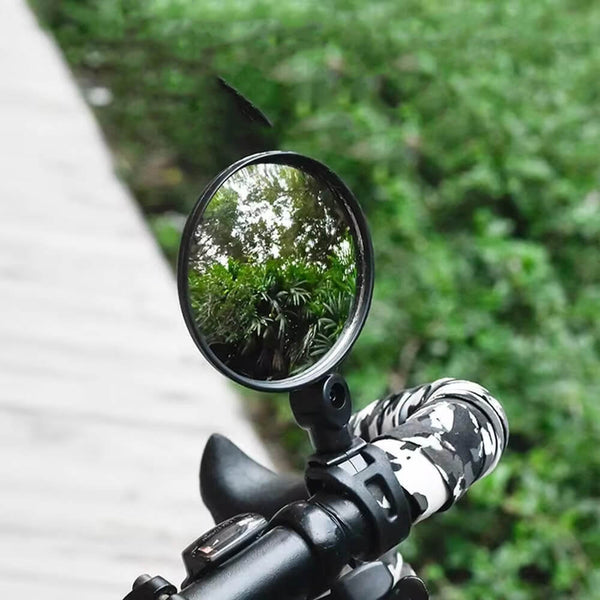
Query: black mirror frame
point(364, 278)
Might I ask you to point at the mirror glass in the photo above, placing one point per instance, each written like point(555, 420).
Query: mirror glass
point(271, 271)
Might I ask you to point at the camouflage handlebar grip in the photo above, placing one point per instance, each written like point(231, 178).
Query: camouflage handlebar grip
point(440, 438)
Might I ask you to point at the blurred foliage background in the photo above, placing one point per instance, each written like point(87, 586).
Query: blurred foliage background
point(470, 133)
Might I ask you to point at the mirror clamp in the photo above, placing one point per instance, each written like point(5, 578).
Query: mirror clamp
point(347, 466)
point(366, 478)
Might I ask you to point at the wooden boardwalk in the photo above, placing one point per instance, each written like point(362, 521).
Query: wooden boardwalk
point(105, 405)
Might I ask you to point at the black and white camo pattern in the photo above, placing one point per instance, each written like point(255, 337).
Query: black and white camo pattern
point(440, 439)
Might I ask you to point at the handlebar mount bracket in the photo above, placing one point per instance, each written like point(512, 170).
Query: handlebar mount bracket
point(347, 466)
point(364, 475)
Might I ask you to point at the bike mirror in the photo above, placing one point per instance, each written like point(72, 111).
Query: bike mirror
point(275, 271)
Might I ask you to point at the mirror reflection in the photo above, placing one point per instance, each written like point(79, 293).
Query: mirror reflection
point(271, 271)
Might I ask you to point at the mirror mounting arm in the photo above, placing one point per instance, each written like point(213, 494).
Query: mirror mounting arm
point(324, 409)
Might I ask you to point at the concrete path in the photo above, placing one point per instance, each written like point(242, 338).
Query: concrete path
point(105, 404)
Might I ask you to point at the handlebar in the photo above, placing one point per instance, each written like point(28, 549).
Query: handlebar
point(427, 446)
point(300, 556)
point(278, 565)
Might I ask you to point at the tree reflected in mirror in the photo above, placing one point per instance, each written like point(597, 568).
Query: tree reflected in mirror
point(271, 272)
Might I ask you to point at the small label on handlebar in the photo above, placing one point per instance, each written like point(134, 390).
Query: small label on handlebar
point(220, 543)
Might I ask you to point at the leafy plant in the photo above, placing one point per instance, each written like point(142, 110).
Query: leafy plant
point(470, 133)
point(270, 319)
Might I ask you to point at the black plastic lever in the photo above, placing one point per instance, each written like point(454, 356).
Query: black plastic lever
point(373, 581)
point(232, 483)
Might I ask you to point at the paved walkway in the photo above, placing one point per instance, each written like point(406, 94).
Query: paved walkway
point(105, 405)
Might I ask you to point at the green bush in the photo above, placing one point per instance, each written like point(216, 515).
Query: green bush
point(470, 133)
point(271, 319)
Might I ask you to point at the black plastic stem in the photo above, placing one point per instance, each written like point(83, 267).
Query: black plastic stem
point(324, 409)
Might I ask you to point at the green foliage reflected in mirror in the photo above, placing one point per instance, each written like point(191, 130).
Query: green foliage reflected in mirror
point(271, 271)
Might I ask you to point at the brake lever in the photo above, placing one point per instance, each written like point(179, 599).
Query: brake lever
point(373, 581)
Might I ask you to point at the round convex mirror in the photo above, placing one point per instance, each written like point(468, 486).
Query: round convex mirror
point(275, 271)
